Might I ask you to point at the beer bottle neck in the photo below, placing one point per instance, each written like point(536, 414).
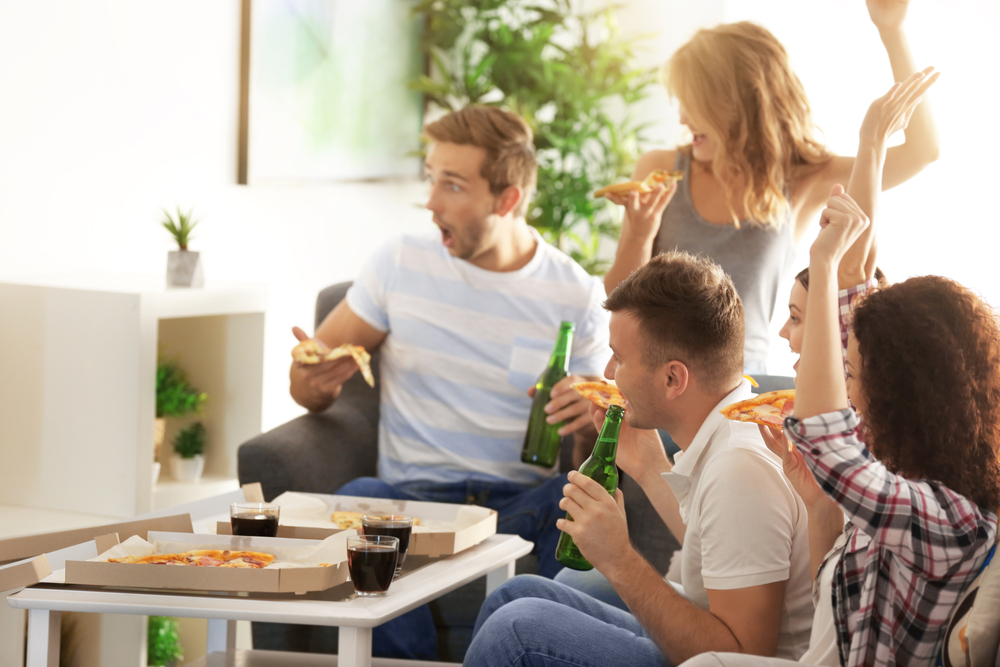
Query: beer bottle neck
point(560, 353)
point(607, 442)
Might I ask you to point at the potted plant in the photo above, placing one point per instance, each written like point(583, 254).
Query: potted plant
point(183, 265)
point(175, 397)
point(188, 461)
point(163, 646)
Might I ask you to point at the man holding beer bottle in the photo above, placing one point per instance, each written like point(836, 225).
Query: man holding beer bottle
point(466, 319)
point(677, 337)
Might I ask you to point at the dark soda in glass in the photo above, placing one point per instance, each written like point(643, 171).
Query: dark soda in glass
point(372, 567)
point(255, 525)
point(390, 525)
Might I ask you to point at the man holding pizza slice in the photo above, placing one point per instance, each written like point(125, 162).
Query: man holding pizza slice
point(465, 320)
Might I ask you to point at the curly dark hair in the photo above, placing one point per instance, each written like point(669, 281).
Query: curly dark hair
point(930, 353)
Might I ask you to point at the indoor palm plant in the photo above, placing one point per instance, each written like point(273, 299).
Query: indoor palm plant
point(563, 70)
point(183, 265)
point(163, 646)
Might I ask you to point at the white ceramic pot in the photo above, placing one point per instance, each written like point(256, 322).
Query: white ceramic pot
point(156, 472)
point(187, 470)
point(184, 269)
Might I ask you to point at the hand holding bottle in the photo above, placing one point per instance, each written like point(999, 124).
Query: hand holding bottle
point(599, 528)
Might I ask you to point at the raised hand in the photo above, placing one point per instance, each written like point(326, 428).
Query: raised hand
point(891, 112)
point(643, 212)
point(841, 223)
point(887, 14)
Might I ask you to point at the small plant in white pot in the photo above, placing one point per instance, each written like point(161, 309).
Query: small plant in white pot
point(189, 446)
point(183, 265)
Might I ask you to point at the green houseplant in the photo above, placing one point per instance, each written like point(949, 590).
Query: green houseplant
point(183, 266)
point(163, 641)
point(563, 70)
point(189, 445)
point(175, 397)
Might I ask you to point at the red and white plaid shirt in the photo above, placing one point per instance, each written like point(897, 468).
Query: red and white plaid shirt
point(912, 546)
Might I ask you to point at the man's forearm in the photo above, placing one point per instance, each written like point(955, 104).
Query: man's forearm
point(858, 265)
point(583, 444)
point(679, 628)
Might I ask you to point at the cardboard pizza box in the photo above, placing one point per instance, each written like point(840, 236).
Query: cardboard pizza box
point(30, 571)
point(444, 529)
point(296, 568)
point(18, 548)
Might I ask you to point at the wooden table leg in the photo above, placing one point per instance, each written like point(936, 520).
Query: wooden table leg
point(498, 576)
point(43, 638)
point(221, 635)
point(354, 647)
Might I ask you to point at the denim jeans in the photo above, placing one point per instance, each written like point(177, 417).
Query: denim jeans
point(529, 512)
point(594, 584)
point(533, 622)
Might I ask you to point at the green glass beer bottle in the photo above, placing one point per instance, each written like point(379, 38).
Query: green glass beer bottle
point(601, 468)
point(541, 442)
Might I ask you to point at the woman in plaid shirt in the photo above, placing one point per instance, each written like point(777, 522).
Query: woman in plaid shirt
point(921, 363)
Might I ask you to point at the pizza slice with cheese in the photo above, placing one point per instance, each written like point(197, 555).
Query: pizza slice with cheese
point(203, 558)
point(656, 177)
point(312, 351)
point(768, 409)
point(600, 393)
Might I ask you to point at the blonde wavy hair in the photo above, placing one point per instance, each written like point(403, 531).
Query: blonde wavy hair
point(735, 81)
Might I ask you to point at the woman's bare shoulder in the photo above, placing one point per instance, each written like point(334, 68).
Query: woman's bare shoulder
point(659, 159)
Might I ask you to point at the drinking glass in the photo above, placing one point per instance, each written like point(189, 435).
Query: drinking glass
point(371, 560)
point(254, 519)
point(393, 525)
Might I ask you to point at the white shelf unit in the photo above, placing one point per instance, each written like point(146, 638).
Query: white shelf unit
point(78, 356)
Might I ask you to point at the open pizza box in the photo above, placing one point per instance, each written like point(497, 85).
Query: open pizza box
point(444, 528)
point(296, 568)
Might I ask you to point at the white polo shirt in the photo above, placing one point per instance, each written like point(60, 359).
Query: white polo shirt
point(746, 526)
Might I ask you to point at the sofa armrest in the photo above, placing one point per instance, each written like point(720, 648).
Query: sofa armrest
point(314, 453)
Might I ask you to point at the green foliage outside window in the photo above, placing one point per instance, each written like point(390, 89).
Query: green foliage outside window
point(564, 71)
point(163, 646)
point(175, 397)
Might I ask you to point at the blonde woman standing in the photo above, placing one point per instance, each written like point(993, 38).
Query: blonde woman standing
point(755, 175)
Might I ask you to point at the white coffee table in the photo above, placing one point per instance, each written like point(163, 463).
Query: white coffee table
point(494, 558)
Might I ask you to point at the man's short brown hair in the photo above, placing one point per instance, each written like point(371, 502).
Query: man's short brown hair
point(507, 140)
point(689, 311)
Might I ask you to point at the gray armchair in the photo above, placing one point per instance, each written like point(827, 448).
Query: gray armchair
point(319, 453)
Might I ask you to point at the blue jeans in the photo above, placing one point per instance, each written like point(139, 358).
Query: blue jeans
point(594, 584)
point(529, 512)
point(533, 622)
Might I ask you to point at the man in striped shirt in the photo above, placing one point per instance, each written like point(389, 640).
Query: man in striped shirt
point(465, 319)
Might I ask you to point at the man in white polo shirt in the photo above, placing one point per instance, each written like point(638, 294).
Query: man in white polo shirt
point(465, 320)
point(677, 335)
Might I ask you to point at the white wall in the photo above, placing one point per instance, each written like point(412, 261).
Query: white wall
point(111, 109)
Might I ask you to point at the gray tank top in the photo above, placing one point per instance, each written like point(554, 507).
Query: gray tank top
point(756, 259)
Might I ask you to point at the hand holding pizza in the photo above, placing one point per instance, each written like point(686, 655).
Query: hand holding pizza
point(644, 211)
point(326, 377)
point(794, 465)
point(841, 223)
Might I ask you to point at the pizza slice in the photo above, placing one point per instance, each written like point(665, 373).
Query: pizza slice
point(312, 351)
point(346, 520)
point(655, 177)
point(769, 409)
point(600, 393)
point(203, 558)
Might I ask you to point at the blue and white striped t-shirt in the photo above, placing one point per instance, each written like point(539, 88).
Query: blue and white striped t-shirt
point(463, 346)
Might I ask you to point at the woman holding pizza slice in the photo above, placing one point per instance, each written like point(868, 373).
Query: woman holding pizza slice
point(921, 490)
point(754, 175)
